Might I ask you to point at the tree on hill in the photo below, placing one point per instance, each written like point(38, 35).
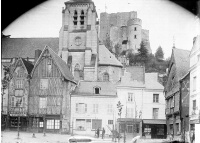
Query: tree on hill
point(143, 53)
point(159, 53)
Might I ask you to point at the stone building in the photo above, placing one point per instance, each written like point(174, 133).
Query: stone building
point(124, 28)
point(194, 110)
point(178, 68)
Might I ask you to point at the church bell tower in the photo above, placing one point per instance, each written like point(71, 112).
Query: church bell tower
point(78, 39)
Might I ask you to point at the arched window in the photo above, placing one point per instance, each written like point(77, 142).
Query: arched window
point(106, 77)
point(82, 17)
point(75, 17)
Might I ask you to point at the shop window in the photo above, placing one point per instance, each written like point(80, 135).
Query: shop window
point(80, 124)
point(147, 130)
point(41, 124)
point(130, 128)
point(57, 124)
point(50, 124)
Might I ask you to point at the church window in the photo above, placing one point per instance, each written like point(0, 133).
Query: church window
point(75, 17)
point(82, 18)
point(135, 36)
point(105, 77)
point(135, 29)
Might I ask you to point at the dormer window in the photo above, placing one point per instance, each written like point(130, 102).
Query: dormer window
point(97, 90)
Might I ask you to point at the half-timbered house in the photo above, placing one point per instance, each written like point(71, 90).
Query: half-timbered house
point(49, 101)
point(178, 67)
point(18, 94)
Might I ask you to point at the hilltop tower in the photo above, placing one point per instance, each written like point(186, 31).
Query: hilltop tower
point(78, 38)
point(134, 34)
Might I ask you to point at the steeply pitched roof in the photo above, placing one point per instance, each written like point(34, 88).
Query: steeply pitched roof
point(29, 66)
point(60, 63)
point(25, 47)
point(87, 88)
point(107, 58)
point(151, 81)
point(182, 61)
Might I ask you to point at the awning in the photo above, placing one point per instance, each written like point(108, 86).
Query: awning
point(154, 121)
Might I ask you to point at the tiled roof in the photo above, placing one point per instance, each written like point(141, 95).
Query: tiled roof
point(87, 88)
point(154, 121)
point(29, 66)
point(137, 72)
point(107, 58)
point(60, 63)
point(182, 61)
point(25, 47)
point(151, 81)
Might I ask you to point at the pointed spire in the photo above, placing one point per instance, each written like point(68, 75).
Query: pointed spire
point(173, 42)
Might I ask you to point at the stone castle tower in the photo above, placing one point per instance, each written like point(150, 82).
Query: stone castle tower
point(124, 28)
point(78, 42)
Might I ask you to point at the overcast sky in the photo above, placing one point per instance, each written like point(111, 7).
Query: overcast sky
point(163, 19)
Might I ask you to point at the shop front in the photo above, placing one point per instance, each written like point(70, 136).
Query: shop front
point(154, 128)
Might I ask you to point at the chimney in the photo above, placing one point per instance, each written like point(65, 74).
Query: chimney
point(37, 54)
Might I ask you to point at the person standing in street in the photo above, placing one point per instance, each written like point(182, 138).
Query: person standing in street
point(103, 133)
point(98, 133)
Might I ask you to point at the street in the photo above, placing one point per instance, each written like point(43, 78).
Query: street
point(26, 137)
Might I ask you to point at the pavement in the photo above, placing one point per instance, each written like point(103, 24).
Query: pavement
point(27, 137)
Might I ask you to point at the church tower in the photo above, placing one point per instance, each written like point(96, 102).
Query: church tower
point(78, 39)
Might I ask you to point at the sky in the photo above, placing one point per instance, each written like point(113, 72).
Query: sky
point(167, 22)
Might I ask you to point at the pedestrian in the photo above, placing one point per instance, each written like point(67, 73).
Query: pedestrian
point(103, 133)
point(97, 132)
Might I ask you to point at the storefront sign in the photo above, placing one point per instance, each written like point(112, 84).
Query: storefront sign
point(18, 112)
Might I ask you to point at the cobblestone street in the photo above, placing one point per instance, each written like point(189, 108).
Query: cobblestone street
point(26, 137)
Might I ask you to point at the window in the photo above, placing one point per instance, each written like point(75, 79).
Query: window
point(110, 122)
point(80, 124)
point(19, 71)
point(105, 77)
point(57, 124)
point(82, 18)
point(12, 101)
point(194, 83)
point(194, 105)
point(130, 97)
point(43, 83)
point(156, 98)
point(49, 66)
point(135, 36)
point(97, 90)
point(19, 83)
point(41, 124)
point(95, 108)
point(110, 109)
point(81, 108)
point(43, 102)
point(135, 29)
point(50, 124)
point(75, 17)
point(88, 124)
point(155, 113)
